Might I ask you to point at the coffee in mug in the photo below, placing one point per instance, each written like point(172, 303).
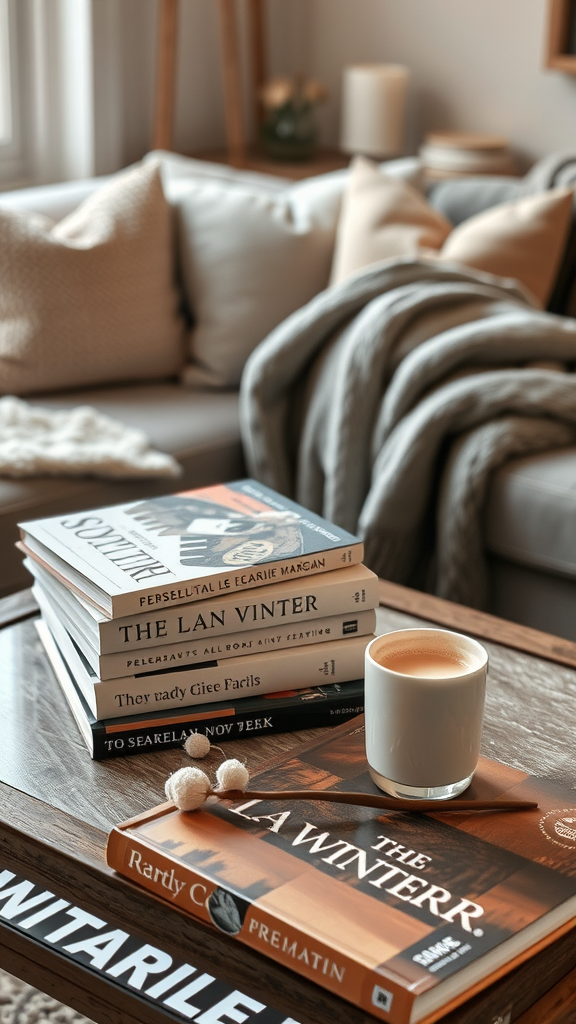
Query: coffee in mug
point(424, 704)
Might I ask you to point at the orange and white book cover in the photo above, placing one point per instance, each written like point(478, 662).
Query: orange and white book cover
point(396, 912)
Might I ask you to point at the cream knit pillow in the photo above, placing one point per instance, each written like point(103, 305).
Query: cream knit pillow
point(381, 218)
point(91, 299)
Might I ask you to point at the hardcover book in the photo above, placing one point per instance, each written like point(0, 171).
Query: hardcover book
point(349, 590)
point(187, 547)
point(183, 991)
point(193, 651)
point(309, 708)
point(406, 915)
point(336, 661)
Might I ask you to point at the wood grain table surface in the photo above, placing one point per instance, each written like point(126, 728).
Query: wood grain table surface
point(57, 806)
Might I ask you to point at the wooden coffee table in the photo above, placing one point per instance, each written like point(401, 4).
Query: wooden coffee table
point(56, 807)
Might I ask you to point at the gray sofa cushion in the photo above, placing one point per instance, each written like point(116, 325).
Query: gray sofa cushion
point(530, 516)
point(460, 198)
point(533, 598)
point(199, 428)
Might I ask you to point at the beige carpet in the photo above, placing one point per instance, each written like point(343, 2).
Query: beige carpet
point(22, 1004)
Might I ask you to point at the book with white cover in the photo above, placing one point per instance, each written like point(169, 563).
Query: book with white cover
point(336, 661)
point(341, 591)
point(231, 645)
point(187, 547)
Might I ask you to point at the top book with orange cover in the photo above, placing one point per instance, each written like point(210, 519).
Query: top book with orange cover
point(405, 915)
point(186, 547)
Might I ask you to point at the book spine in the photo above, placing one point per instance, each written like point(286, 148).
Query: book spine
point(277, 604)
point(336, 661)
point(258, 575)
point(230, 645)
point(310, 708)
point(177, 656)
point(348, 590)
point(118, 741)
point(180, 885)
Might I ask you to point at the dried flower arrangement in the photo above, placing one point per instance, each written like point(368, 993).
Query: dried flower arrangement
point(290, 131)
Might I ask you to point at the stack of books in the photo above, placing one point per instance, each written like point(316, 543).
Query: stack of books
point(461, 154)
point(228, 610)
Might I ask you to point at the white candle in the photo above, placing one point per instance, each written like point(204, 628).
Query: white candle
point(374, 109)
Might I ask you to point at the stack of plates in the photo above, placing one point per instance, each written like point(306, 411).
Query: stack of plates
point(460, 154)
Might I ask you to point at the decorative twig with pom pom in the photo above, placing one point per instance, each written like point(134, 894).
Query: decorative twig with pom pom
point(190, 787)
point(198, 746)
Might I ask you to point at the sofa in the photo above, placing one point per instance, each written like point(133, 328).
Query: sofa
point(193, 417)
point(530, 513)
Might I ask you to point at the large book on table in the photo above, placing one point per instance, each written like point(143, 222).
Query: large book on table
point(187, 547)
point(336, 661)
point(167, 989)
point(406, 915)
point(288, 603)
point(310, 708)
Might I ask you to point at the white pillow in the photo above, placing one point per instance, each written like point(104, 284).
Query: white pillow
point(177, 168)
point(250, 257)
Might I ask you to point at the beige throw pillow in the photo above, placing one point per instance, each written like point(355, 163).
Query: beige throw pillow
point(382, 217)
point(524, 239)
point(91, 299)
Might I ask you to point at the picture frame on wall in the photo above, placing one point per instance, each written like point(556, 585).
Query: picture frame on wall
point(561, 42)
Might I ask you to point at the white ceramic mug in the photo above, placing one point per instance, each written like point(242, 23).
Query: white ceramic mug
point(424, 704)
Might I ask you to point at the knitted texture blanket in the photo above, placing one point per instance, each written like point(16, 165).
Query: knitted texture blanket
point(387, 401)
point(74, 442)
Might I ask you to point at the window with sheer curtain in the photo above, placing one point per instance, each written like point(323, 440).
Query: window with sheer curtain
point(60, 90)
point(12, 156)
point(6, 118)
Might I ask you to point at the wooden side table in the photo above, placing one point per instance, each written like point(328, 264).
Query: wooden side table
point(239, 152)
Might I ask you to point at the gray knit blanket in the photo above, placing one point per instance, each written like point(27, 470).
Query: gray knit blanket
point(386, 403)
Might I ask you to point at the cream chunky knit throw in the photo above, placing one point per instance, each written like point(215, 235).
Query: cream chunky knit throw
point(74, 442)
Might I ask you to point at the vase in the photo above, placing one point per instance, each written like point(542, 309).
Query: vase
point(290, 133)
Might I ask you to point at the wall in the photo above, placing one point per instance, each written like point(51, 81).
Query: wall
point(199, 117)
point(476, 65)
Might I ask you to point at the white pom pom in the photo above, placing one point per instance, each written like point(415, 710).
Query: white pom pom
point(197, 745)
point(188, 788)
point(232, 774)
